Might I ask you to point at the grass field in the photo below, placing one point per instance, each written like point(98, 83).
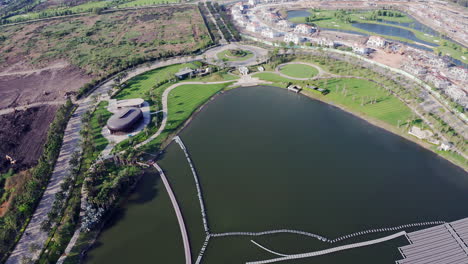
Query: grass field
point(140, 86)
point(299, 70)
point(226, 55)
point(359, 96)
point(272, 77)
point(182, 102)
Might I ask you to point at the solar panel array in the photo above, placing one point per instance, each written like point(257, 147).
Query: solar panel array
point(442, 244)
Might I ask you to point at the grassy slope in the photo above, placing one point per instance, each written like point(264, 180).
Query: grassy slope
point(388, 108)
point(299, 71)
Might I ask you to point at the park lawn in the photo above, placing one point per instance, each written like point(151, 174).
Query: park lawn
point(225, 55)
point(299, 70)
point(97, 122)
point(215, 77)
point(272, 77)
point(141, 85)
point(388, 108)
point(146, 2)
point(182, 102)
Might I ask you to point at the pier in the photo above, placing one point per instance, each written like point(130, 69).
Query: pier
point(180, 218)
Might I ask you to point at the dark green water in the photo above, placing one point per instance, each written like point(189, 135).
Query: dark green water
point(270, 159)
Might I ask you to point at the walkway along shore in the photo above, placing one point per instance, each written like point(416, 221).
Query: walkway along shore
point(180, 218)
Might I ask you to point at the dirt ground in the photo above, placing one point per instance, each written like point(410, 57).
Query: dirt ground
point(389, 59)
point(22, 135)
point(22, 85)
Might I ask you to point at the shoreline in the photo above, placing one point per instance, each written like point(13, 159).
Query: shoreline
point(166, 142)
point(384, 126)
point(387, 127)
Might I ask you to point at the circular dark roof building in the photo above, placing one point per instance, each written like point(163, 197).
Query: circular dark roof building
point(124, 120)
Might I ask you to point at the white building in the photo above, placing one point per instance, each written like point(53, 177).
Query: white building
point(269, 33)
point(456, 93)
point(439, 81)
point(253, 2)
point(361, 49)
point(376, 41)
point(292, 38)
point(304, 29)
point(284, 24)
point(254, 27)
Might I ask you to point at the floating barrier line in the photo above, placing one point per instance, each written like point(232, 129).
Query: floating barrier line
point(269, 250)
point(178, 140)
point(330, 250)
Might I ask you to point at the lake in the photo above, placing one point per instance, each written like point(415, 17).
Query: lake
point(298, 13)
point(391, 31)
point(271, 159)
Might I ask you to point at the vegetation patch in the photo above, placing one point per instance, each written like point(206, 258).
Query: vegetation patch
point(234, 55)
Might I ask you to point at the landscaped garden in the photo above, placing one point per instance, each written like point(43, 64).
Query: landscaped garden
point(234, 55)
point(299, 70)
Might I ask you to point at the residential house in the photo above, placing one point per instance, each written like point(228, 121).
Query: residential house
point(376, 41)
point(304, 29)
point(361, 49)
point(292, 38)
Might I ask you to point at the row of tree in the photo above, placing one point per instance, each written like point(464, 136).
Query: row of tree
point(24, 204)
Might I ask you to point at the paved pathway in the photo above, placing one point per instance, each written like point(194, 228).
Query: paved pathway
point(180, 218)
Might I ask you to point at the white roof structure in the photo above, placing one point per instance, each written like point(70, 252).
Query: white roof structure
point(137, 102)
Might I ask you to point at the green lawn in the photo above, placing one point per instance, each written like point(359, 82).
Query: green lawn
point(272, 77)
point(299, 70)
point(359, 97)
point(182, 102)
point(97, 122)
point(226, 55)
point(140, 86)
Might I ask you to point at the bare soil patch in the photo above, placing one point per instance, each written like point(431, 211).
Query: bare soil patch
point(390, 59)
point(22, 136)
point(25, 86)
